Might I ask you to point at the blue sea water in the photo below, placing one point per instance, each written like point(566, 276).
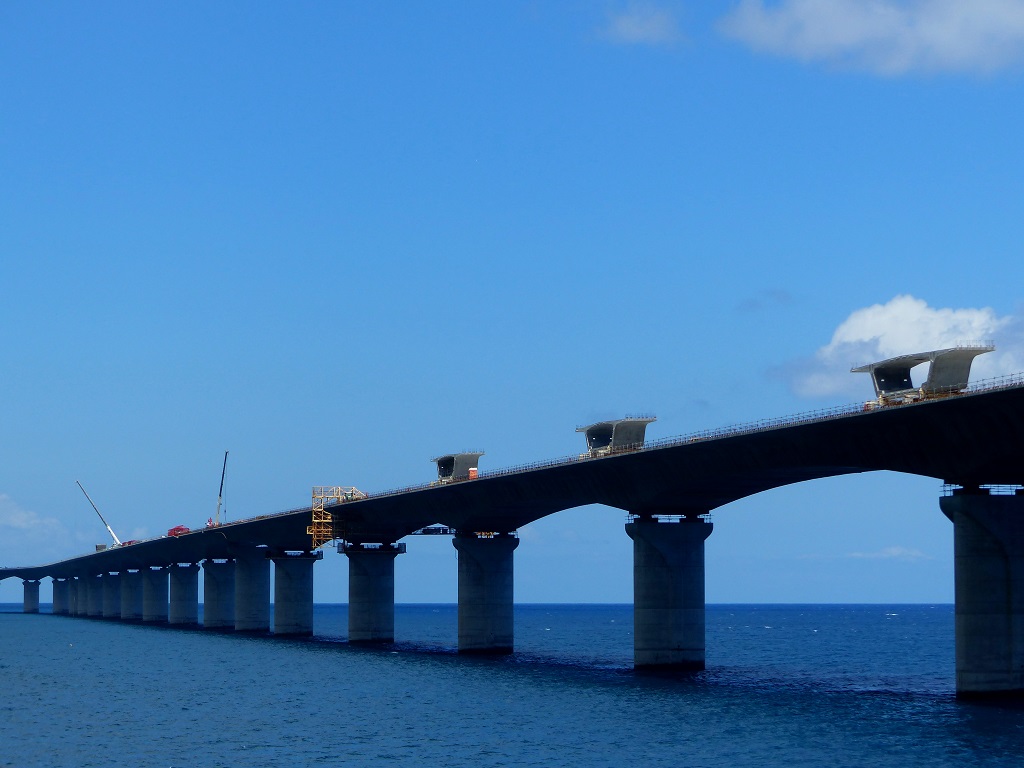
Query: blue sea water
point(786, 685)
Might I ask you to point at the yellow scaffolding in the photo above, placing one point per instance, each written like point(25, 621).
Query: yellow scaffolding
point(322, 529)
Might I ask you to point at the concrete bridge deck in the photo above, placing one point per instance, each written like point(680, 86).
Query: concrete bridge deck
point(970, 439)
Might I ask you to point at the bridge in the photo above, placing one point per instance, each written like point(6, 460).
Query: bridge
point(969, 438)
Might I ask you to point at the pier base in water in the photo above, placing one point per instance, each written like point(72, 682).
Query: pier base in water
point(183, 609)
point(371, 593)
point(30, 603)
point(668, 592)
point(293, 594)
point(78, 597)
point(219, 594)
point(252, 591)
point(94, 591)
point(988, 550)
point(131, 595)
point(154, 594)
point(486, 608)
point(111, 595)
point(61, 596)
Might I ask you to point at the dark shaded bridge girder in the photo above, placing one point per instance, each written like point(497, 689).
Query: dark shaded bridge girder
point(967, 440)
point(970, 439)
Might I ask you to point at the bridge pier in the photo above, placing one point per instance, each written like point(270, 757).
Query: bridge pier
point(293, 593)
point(183, 608)
point(219, 594)
point(371, 592)
point(154, 594)
point(61, 592)
point(668, 592)
point(131, 595)
point(486, 608)
point(111, 595)
point(988, 562)
point(30, 600)
point(76, 596)
point(94, 590)
point(252, 591)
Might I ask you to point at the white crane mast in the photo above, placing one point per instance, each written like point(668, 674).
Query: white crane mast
point(117, 541)
point(220, 494)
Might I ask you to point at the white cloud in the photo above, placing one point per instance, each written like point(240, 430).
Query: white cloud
point(891, 553)
point(905, 325)
point(642, 24)
point(27, 538)
point(887, 37)
point(21, 521)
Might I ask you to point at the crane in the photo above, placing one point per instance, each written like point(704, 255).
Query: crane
point(117, 541)
point(220, 494)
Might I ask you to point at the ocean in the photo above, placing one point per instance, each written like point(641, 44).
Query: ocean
point(793, 685)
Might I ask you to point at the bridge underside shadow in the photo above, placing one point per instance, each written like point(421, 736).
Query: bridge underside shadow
point(970, 441)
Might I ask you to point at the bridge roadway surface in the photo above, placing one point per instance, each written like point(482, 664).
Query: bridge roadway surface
point(969, 439)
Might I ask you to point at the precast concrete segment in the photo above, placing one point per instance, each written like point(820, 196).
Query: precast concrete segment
point(131, 595)
point(94, 589)
point(293, 594)
point(30, 602)
point(219, 594)
point(668, 592)
point(371, 594)
point(61, 592)
point(486, 607)
point(252, 592)
point(988, 568)
point(183, 608)
point(111, 595)
point(154, 594)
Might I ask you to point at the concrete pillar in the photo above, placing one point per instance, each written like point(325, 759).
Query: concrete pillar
point(988, 568)
point(131, 595)
point(219, 594)
point(111, 595)
point(252, 591)
point(61, 596)
point(371, 593)
point(486, 607)
point(94, 589)
point(75, 596)
point(82, 596)
point(154, 594)
point(293, 594)
point(30, 603)
point(668, 592)
point(72, 596)
point(184, 602)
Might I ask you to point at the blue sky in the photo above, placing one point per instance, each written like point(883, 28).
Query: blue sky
point(338, 239)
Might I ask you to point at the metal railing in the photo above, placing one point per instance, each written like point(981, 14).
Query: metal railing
point(1008, 381)
point(951, 489)
point(761, 425)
